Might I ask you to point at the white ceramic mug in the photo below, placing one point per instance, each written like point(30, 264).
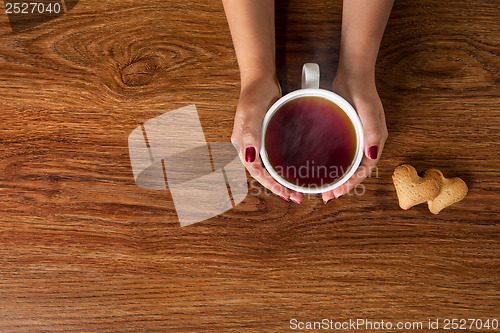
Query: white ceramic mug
point(310, 88)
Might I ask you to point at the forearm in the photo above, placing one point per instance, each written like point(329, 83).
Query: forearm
point(363, 24)
point(252, 29)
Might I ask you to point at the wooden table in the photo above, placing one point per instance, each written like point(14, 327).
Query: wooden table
point(85, 249)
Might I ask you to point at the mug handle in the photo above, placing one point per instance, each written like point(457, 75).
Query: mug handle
point(310, 76)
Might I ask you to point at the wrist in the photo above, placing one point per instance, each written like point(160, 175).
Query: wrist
point(257, 95)
point(356, 67)
point(257, 75)
point(352, 81)
point(260, 77)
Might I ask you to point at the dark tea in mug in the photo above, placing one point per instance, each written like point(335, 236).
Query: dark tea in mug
point(310, 141)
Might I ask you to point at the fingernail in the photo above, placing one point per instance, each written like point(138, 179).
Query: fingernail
point(250, 154)
point(284, 198)
point(326, 201)
point(297, 202)
point(373, 152)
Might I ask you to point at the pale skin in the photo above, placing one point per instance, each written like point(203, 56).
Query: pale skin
point(252, 29)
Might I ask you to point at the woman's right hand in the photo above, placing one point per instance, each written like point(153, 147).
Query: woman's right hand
point(256, 98)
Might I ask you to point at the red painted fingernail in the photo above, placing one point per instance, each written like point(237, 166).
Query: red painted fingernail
point(250, 154)
point(284, 198)
point(297, 202)
point(373, 152)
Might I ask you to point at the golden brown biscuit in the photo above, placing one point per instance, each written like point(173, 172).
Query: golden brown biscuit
point(412, 189)
point(452, 190)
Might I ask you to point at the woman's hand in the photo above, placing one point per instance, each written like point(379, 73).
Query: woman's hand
point(360, 91)
point(363, 24)
point(256, 98)
point(252, 28)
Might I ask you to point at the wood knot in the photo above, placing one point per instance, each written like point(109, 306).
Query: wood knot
point(142, 71)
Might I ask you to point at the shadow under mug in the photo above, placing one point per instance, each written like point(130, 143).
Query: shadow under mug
point(310, 88)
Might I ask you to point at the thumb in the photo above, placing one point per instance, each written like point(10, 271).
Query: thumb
point(373, 133)
point(250, 139)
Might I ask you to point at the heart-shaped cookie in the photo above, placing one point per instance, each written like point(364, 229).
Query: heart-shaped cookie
point(451, 190)
point(412, 189)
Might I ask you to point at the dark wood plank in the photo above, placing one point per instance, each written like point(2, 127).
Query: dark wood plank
point(84, 249)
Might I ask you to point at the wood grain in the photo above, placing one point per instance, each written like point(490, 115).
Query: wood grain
point(84, 249)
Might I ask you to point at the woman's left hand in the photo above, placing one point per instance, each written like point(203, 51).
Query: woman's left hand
point(361, 93)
